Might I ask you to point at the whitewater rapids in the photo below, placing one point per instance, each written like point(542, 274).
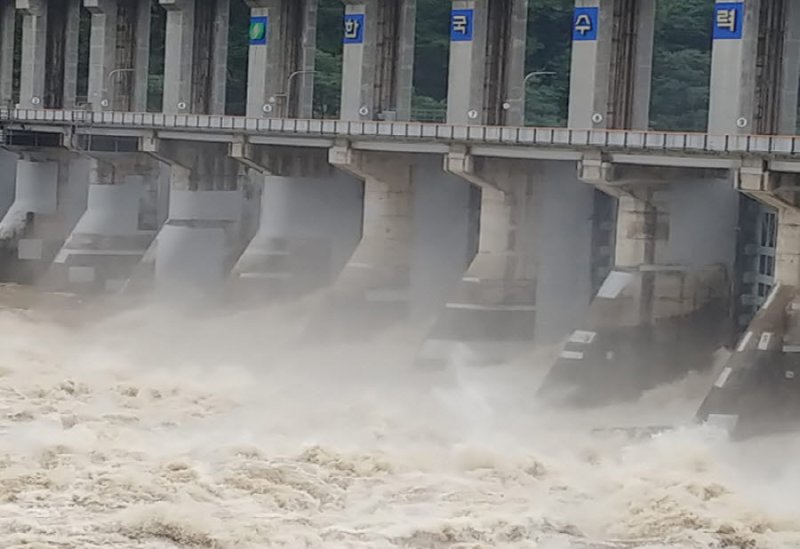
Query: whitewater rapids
point(155, 429)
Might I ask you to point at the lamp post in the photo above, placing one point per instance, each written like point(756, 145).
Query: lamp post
point(288, 94)
point(525, 80)
point(105, 102)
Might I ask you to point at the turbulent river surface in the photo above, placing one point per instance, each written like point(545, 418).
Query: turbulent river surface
point(158, 429)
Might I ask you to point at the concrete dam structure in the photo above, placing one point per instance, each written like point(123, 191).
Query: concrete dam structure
point(638, 253)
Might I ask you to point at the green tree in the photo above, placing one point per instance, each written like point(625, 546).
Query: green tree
point(681, 65)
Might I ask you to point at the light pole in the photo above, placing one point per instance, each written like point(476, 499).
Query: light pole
point(104, 92)
point(288, 93)
point(525, 80)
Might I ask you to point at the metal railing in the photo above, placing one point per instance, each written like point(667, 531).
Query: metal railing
point(429, 115)
point(627, 140)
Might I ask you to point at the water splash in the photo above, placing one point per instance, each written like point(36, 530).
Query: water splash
point(155, 429)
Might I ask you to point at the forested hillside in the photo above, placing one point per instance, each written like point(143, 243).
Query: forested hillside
point(681, 62)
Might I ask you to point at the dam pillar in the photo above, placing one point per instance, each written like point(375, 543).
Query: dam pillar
point(757, 389)
point(49, 53)
point(487, 62)
point(202, 238)
point(372, 292)
point(754, 89)
point(490, 318)
point(119, 54)
point(8, 23)
point(280, 76)
point(307, 222)
point(658, 314)
point(195, 57)
point(50, 189)
point(378, 59)
point(118, 226)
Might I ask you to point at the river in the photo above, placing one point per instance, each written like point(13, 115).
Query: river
point(160, 429)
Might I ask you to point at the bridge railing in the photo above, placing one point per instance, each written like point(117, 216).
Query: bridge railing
point(628, 140)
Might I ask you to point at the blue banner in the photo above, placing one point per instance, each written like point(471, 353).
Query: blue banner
point(584, 23)
point(354, 28)
point(728, 20)
point(462, 25)
point(259, 26)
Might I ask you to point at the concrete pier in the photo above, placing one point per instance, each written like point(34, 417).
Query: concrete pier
point(378, 59)
point(202, 237)
point(119, 54)
point(757, 389)
point(307, 224)
point(49, 197)
point(612, 52)
point(7, 41)
point(195, 60)
point(487, 60)
point(372, 291)
point(115, 231)
point(492, 313)
point(657, 315)
point(755, 67)
point(283, 37)
point(662, 310)
point(49, 53)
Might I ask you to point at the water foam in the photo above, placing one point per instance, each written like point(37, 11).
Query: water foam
point(155, 429)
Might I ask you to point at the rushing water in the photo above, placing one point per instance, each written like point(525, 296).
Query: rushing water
point(158, 430)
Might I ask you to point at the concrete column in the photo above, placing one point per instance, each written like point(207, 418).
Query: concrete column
point(754, 67)
point(113, 234)
point(49, 53)
point(102, 51)
point(285, 259)
point(372, 291)
point(49, 192)
point(280, 79)
point(178, 52)
point(491, 317)
point(642, 231)
point(378, 59)
point(216, 56)
point(119, 54)
point(784, 117)
point(308, 223)
point(36, 193)
point(7, 28)
point(611, 74)
point(487, 61)
point(787, 251)
point(194, 248)
point(199, 242)
point(195, 61)
point(34, 53)
point(664, 309)
point(71, 13)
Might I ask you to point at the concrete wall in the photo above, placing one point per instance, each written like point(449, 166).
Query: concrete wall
point(323, 208)
point(703, 222)
point(563, 210)
point(441, 235)
point(8, 172)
